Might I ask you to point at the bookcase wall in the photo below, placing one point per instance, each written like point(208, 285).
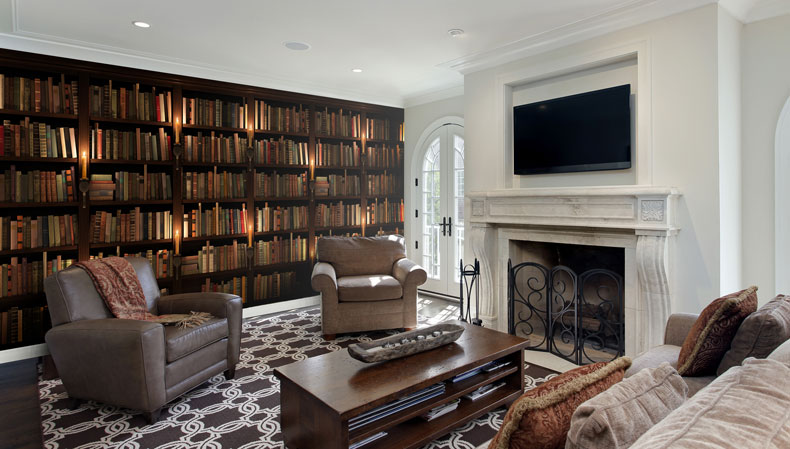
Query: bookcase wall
point(231, 183)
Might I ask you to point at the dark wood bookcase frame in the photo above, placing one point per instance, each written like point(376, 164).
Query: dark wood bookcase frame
point(88, 73)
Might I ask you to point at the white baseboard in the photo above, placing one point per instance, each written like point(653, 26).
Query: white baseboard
point(28, 352)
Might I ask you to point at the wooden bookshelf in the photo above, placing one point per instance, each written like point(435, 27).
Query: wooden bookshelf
point(176, 88)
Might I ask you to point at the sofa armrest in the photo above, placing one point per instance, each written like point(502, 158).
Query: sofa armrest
point(324, 277)
point(678, 327)
point(408, 272)
point(121, 362)
point(220, 305)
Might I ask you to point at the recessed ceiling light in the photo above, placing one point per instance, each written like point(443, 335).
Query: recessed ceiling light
point(356, 70)
point(455, 32)
point(140, 24)
point(296, 46)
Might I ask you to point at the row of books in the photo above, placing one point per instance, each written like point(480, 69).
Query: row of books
point(43, 231)
point(337, 154)
point(384, 212)
point(210, 259)
point(337, 185)
point(281, 250)
point(378, 128)
point(130, 103)
point(280, 218)
point(396, 406)
point(275, 285)
point(20, 277)
point(131, 226)
point(160, 260)
point(38, 186)
point(338, 214)
point(236, 286)
point(39, 94)
point(294, 119)
point(215, 221)
point(213, 184)
point(383, 156)
point(26, 325)
point(216, 112)
point(342, 124)
point(280, 151)
point(36, 139)
point(383, 184)
point(215, 148)
point(128, 186)
point(115, 144)
point(277, 185)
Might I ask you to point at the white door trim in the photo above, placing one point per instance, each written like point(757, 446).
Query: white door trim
point(781, 200)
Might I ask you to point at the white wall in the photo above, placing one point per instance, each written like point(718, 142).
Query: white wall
point(681, 58)
point(765, 88)
point(417, 119)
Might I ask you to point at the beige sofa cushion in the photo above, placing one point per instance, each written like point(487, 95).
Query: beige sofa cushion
point(759, 334)
point(746, 407)
point(616, 418)
point(782, 353)
point(368, 288)
point(353, 256)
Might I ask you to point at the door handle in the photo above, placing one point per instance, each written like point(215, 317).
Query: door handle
point(450, 226)
point(444, 225)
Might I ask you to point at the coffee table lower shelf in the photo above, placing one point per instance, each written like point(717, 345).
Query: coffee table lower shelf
point(417, 432)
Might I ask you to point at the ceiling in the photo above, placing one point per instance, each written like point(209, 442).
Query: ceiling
point(402, 45)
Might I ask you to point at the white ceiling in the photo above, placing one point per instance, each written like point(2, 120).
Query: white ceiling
point(402, 45)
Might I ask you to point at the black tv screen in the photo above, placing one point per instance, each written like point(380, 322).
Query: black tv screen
point(585, 132)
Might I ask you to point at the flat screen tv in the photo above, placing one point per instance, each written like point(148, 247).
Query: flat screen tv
point(585, 132)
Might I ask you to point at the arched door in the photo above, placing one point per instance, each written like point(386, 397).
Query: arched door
point(440, 219)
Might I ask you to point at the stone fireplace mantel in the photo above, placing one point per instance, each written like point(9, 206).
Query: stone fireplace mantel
point(640, 219)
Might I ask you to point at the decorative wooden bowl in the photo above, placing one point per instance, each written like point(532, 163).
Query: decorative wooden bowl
point(406, 343)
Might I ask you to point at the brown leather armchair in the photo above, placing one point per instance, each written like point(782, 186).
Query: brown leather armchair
point(137, 364)
point(366, 283)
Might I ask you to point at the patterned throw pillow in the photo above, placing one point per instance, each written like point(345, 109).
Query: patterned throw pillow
point(541, 417)
point(712, 333)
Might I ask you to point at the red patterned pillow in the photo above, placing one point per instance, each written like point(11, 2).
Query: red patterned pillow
point(711, 335)
point(541, 417)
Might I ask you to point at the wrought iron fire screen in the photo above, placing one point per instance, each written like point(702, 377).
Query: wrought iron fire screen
point(577, 317)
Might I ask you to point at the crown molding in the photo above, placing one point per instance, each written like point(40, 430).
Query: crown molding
point(430, 96)
point(105, 54)
point(632, 13)
point(767, 9)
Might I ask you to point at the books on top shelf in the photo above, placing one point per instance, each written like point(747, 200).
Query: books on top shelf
point(280, 185)
point(340, 123)
point(131, 226)
point(367, 440)
point(280, 218)
point(215, 148)
point(38, 186)
point(130, 103)
point(396, 406)
point(275, 285)
point(215, 112)
point(441, 410)
point(114, 144)
point(485, 390)
point(21, 232)
point(39, 94)
point(214, 184)
point(293, 119)
point(36, 139)
point(378, 129)
point(280, 151)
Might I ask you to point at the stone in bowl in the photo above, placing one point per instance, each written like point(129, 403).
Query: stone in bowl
point(406, 343)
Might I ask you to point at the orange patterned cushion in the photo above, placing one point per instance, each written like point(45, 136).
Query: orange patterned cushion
point(711, 335)
point(541, 417)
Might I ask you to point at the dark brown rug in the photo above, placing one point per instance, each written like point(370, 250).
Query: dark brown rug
point(237, 414)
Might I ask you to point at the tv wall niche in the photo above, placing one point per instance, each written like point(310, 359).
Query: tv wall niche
point(221, 186)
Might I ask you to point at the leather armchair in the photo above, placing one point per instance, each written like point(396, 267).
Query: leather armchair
point(137, 364)
point(366, 283)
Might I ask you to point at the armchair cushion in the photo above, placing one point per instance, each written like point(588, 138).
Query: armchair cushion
point(361, 255)
point(181, 342)
point(368, 288)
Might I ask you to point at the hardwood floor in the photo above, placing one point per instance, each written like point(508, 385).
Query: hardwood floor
point(20, 426)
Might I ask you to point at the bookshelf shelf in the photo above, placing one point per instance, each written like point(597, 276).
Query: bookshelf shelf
point(222, 273)
point(190, 101)
point(26, 300)
point(51, 115)
point(126, 121)
point(49, 249)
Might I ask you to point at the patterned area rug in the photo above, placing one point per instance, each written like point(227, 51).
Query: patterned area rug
point(240, 413)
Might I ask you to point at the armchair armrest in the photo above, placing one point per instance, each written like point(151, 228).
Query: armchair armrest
point(111, 360)
point(408, 272)
point(324, 277)
point(678, 327)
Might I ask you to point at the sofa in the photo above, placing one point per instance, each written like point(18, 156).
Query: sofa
point(137, 364)
point(366, 283)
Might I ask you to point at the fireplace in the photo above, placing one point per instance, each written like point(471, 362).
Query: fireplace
point(634, 224)
point(568, 299)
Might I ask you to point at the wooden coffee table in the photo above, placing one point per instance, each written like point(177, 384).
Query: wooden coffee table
point(319, 395)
